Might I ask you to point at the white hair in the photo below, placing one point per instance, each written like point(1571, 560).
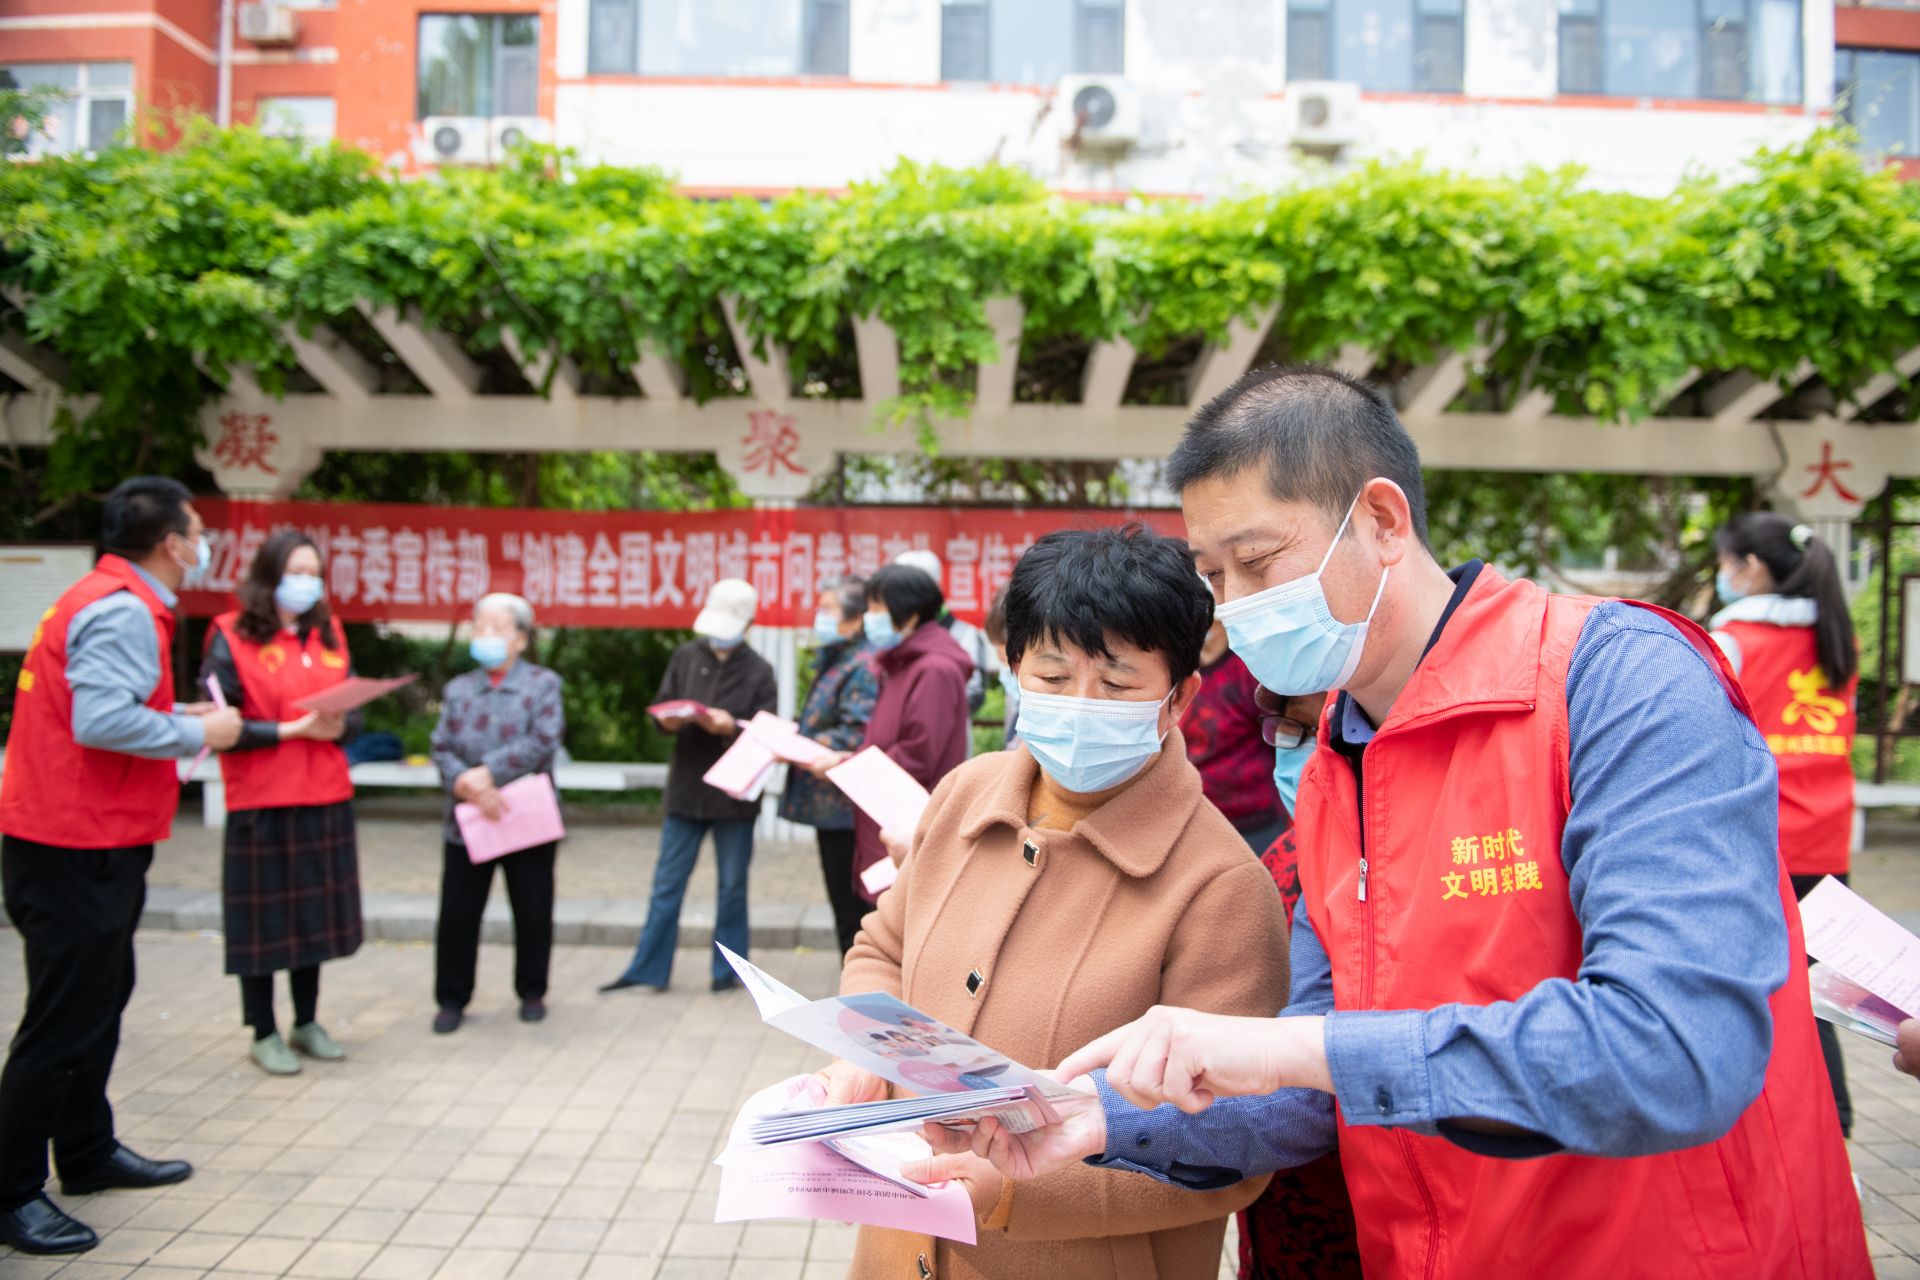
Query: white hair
point(516, 606)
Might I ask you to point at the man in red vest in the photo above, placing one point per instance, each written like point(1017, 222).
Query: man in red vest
point(1542, 952)
point(89, 785)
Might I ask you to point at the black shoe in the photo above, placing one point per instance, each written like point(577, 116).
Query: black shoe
point(447, 1021)
point(623, 982)
point(533, 1009)
point(124, 1168)
point(724, 984)
point(39, 1226)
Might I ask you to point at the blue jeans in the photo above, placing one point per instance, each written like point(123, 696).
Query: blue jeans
point(679, 848)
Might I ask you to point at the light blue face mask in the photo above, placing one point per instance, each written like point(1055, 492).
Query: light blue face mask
point(1090, 744)
point(880, 630)
point(826, 626)
point(1728, 592)
point(1288, 764)
point(298, 592)
point(489, 651)
point(1289, 638)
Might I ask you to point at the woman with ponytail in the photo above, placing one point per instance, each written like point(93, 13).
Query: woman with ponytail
point(1786, 630)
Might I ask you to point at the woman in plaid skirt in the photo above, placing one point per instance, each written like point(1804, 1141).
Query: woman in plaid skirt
point(290, 879)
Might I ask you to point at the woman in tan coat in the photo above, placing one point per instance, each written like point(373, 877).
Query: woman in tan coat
point(1058, 890)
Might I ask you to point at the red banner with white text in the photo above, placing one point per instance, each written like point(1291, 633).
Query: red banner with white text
point(622, 568)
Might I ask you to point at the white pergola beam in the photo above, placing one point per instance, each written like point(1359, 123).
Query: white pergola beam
point(993, 382)
point(878, 349)
point(1431, 388)
point(1221, 363)
point(1869, 392)
point(1742, 396)
point(436, 358)
point(1104, 380)
point(659, 378)
point(1532, 406)
point(344, 372)
point(1354, 360)
point(30, 364)
point(535, 368)
point(766, 375)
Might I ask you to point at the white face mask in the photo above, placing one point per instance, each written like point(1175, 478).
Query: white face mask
point(1090, 744)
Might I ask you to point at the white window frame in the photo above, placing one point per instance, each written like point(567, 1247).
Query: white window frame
point(83, 95)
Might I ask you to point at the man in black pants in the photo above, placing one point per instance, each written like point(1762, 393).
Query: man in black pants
point(89, 786)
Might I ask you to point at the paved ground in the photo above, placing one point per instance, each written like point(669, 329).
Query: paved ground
point(578, 1147)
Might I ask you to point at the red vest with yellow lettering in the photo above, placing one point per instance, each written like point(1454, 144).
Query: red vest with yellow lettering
point(274, 676)
point(1468, 790)
point(1809, 725)
point(55, 791)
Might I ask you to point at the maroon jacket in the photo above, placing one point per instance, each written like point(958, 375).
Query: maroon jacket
point(920, 719)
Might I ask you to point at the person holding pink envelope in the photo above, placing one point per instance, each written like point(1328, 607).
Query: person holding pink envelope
point(498, 723)
point(290, 871)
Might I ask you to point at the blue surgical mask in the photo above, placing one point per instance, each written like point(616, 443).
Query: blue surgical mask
point(1288, 637)
point(298, 592)
point(826, 626)
point(1288, 764)
point(722, 644)
point(489, 651)
point(1728, 592)
point(880, 630)
point(1090, 744)
point(1010, 685)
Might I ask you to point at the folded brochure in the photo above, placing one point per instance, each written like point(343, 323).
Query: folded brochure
point(1868, 978)
point(956, 1078)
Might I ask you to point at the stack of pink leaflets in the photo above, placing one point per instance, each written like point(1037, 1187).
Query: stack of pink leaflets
point(764, 741)
point(886, 793)
point(678, 709)
point(530, 816)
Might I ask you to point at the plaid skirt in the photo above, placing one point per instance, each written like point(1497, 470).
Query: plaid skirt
point(290, 887)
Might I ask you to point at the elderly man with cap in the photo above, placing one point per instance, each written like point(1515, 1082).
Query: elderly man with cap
point(718, 670)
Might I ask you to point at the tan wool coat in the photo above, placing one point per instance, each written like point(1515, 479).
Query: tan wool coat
point(1152, 899)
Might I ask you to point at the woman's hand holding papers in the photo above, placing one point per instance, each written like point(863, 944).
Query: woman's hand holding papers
point(847, 1084)
point(832, 759)
point(1082, 1132)
point(1190, 1058)
point(982, 1181)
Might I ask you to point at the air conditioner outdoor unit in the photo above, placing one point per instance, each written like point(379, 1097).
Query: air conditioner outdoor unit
point(456, 140)
point(268, 23)
point(1103, 113)
point(1323, 115)
point(508, 132)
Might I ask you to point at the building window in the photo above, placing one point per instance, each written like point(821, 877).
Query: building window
point(1879, 94)
point(479, 65)
point(1389, 46)
point(309, 119)
point(93, 103)
point(717, 37)
point(1737, 50)
point(1031, 41)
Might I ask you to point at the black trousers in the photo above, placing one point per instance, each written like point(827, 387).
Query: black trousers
point(256, 999)
point(836, 868)
point(1830, 1034)
point(464, 887)
point(76, 910)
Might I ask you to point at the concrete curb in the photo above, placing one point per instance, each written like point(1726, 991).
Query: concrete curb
point(410, 917)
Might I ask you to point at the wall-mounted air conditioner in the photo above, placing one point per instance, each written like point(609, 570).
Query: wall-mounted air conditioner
point(1101, 113)
point(456, 140)
point(508, 132)
point(269, 23)
point(1323, 115)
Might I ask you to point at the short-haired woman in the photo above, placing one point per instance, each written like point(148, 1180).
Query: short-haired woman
point(498, 722)
point(837, 709)
point(290, 873)
point(1055, 891)
point(920, 717)
point(1787, 632)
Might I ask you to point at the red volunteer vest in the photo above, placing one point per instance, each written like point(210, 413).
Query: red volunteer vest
point(55, 791)
point(1467, 901)
point(274, 676)
point(1809, 726)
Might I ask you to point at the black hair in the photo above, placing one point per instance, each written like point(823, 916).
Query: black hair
point(907, 592)
point(996, 625)
point(141, 513)
point(1802, 566)
point(850, 594)
point(1318, 435)
point(259, 619)
point(1090, 587)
